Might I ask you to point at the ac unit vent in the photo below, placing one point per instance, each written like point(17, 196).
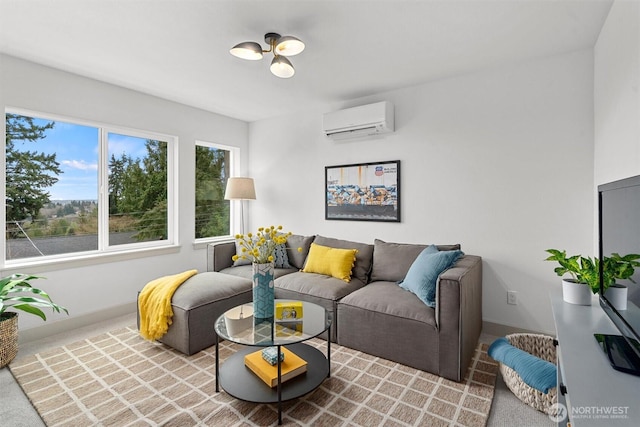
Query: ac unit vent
point(358, 122)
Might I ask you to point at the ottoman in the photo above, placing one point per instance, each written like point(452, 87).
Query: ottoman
point(196, 305)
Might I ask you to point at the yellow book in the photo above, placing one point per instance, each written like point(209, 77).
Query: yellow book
point(292, 366)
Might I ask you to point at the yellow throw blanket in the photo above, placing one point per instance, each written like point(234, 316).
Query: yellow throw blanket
point(154, 304)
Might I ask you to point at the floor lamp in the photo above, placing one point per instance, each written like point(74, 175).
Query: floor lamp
point(240, 189)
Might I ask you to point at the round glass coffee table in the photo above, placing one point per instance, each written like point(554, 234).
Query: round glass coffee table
point(240, 382)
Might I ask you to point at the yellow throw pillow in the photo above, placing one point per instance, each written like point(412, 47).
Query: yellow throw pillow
point(333, 262)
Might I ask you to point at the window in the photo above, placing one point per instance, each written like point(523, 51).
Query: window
point(55, 169)
point(213, 167)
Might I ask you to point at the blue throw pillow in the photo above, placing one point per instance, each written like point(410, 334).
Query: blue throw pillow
point(422, 277)
point(281, 257)
point(535, 372)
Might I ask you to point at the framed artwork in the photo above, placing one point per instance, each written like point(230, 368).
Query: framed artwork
point(363, 192)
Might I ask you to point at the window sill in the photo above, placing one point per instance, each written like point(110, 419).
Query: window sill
point(203, 243)
point(38, 266)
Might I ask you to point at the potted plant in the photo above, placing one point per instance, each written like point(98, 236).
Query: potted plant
point(17, 293)
point(617, 267)
point(261, 250)
point(585, 273)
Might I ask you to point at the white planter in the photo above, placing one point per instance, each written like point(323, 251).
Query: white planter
point(617, 296)
point(576, 293)
point(239, 319)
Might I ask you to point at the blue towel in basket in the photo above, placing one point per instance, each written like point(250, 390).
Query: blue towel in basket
point(535, 372)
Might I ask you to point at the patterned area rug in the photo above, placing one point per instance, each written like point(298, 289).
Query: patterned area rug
point(119, 379)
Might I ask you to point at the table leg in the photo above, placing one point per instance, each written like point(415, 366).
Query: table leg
point(217, 364)
point(279, 387)
point(329, 352)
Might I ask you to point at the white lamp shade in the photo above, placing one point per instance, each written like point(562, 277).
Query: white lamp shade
point(289, 46)
point(247, 50)
point(281, 67)
point(240, 189)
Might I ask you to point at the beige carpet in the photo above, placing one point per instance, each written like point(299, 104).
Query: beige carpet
point(119, 379)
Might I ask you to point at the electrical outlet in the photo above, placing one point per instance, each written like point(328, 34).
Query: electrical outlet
point(512, 297)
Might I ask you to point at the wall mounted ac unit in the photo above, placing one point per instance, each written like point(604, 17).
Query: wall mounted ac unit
point(358, 122)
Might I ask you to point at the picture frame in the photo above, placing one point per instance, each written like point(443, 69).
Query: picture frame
point(363, 192)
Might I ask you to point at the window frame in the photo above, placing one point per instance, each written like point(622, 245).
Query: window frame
point(104, 250)
point(234, 166)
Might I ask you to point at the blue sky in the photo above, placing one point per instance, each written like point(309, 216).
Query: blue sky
point(77, 149)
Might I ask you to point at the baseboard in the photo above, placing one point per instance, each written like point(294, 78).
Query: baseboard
point(499, 330)
point(65, 325)
point(61, 326)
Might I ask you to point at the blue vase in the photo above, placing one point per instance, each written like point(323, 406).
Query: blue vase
point(263, 292)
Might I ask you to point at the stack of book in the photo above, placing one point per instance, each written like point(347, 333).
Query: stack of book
point(291, 366)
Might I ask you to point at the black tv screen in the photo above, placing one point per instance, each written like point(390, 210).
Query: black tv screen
point(619, 232)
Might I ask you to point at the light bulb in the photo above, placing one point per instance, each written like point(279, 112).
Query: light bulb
point(289, 46)
point(247, 50)
point(281, 67)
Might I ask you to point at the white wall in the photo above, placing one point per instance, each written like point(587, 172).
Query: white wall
point(98, 287)
point(500, 161)
point(617, 94)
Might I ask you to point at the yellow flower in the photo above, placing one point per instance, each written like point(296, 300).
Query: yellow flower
point(260, 247)
point(235, 257)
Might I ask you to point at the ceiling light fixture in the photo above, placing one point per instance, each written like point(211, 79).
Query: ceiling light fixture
point(281, 46)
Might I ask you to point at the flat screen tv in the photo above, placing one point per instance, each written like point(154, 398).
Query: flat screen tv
point(619, 232)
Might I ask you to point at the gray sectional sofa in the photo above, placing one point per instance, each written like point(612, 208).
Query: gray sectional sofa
point(372, 313)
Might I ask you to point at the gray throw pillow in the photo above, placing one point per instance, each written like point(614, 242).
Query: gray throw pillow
point(296, 259)
point(364, 257)
point(240, 261)
point(391, 261)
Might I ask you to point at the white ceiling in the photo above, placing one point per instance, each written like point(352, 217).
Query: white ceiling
point(179, 50)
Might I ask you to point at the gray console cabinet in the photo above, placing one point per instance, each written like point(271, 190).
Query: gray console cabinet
point(596, 394)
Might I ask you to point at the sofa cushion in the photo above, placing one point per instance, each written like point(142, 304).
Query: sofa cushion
point(203, 288)
point(333, 262)
point(389, 299)
point(391, 261)
point(423, 274)
point(296, 259)
point(315, 285)
point(364, 257)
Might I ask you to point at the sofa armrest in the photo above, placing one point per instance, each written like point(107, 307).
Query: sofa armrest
point(219, 255)
point(459, 315)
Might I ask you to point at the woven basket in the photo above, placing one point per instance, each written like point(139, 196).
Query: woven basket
point(540, 346)
point(8, 338)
